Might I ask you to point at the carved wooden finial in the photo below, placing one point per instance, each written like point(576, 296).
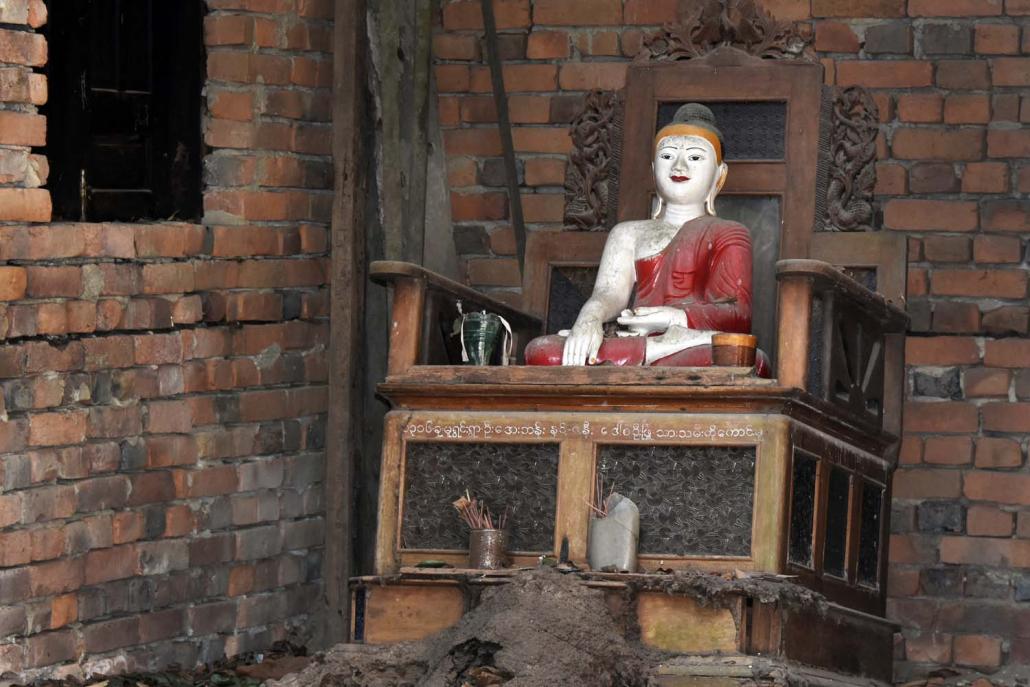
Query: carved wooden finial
point(741, 24)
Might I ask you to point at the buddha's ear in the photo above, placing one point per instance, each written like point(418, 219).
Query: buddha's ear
point(720, 179)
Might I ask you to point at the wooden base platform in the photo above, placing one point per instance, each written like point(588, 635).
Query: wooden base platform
point(730, 637)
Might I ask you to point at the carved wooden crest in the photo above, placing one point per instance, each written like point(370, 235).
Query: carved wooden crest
point(742, 24)
point(854, 124)
point(596, 135)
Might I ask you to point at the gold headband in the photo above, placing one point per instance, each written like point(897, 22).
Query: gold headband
point(690, 130)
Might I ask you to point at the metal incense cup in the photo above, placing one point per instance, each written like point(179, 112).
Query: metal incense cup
point(488, 549)
point(734, 350)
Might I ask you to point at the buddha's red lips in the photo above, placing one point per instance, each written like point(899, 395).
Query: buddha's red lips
point(679, 180)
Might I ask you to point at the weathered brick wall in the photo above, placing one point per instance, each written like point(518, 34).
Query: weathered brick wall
point(161, 452)
point(951, 79)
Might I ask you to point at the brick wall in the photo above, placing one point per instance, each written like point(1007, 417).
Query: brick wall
point(951, 79)
point(164, 398)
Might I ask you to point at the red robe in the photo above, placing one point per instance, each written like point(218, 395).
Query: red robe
point(705, 271)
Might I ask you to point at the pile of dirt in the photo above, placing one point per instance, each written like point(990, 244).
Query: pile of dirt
point(541, 629)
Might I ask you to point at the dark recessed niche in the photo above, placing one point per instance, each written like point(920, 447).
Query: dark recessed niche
point(836, 523)
point(802, 509)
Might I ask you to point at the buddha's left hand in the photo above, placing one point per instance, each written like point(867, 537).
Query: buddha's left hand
point(644, 321)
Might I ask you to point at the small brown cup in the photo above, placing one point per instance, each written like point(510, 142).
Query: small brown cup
point(734, 350)
point(488, 549)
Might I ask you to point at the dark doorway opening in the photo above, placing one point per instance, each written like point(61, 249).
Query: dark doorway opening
point(124, 110)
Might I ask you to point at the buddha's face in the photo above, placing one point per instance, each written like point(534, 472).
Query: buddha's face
point(686, 169)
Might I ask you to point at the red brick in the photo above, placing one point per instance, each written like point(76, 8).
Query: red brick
point(22, 47)
point(228, 29)
point(983, 382)
point(937, 144)
point(871, 74)
point(543, 207)
point(978, 650)
point(832, 36)
point(946, 417)
point(1006, 417)
point(455, 47)
point(1005, 215)
point(63, 610)
point(54, 429)
point(967, 109)
point(954, 8)
point(985, 283)
point(508, 14)
point(584, 76)
point(985, 177)
point(1007, 353)
point(921, 215)
point(939, 249)
point(151, 487)
point(651, 12)
point(963, 74)
point(996, 452)
point(51, 648)
point(493, 272)
point(988, 521)
point(577, 12)
point(891, 179)
point(452, 78)
point(1011, 71)
point(517, 78)
point(948, 450)
point(22, 129)
point(547, 45)
point(541, 140)
point(929, 647)
point(1008, 142)
point(479, 142)
point(127, 526)
point(13, 283)
point(858, 8)
point(998, 487)
point(997, 39)
point(920, 483)
point(545, 171)
point(57, 577)
point(24, 205)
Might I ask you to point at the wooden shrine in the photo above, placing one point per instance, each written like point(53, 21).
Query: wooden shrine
point(731, 472)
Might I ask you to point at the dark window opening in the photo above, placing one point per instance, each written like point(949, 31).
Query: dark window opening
point(124, 110)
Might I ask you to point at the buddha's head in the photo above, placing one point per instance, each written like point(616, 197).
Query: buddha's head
point(688, 165)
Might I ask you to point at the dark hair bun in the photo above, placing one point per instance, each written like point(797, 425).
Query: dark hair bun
point(694, 113)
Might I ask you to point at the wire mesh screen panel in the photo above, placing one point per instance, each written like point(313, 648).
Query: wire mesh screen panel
point(802, 509)
point(750, 130)
point(869, 535)
point(836, 522)
point(523, 477)
point(570, 287)
point(693, 500)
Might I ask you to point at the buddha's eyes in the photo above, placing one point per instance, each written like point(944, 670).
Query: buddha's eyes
point(695, 158)
point(665, 156)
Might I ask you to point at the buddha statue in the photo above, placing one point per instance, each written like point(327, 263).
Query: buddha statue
point(672, 281)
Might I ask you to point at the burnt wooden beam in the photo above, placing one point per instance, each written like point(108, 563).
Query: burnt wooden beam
point(518, 224)
point(347, 296)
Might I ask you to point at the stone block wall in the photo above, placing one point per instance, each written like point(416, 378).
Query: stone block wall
point(163, 405)
point(951, 78)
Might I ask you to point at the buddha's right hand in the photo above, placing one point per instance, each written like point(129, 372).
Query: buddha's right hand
point(583, 343)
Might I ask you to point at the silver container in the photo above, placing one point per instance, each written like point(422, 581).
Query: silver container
point(613, 540)
point(488, 549)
